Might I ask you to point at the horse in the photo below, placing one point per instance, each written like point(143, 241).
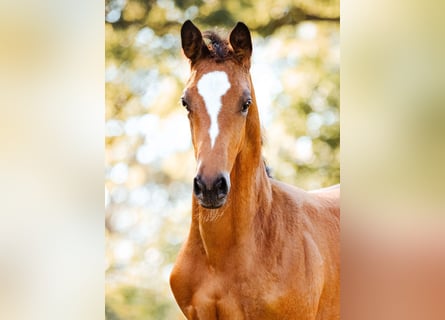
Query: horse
point(257, 248)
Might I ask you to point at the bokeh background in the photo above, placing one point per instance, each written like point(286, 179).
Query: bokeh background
point(52, 106)
point(149, 157)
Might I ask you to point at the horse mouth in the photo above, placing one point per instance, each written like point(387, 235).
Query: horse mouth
point(211, 203)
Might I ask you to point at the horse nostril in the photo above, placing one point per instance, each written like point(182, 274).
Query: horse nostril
point(198, 185)
point(213, 194)
point(221, 187)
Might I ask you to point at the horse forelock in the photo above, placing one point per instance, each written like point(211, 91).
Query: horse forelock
point(218, 46)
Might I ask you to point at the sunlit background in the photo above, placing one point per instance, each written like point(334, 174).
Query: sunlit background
point(51, 148)
point(149, 158)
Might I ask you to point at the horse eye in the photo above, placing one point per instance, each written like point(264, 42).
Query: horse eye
point(184, 104)
point(246, 105)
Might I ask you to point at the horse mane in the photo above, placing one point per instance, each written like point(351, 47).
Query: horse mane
point(268, 169)
point(219, 48)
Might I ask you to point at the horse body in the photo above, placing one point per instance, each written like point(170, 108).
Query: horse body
point(257, 248)
point(283, 265)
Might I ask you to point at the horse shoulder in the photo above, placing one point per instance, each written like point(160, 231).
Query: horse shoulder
point(187, 275)
point(316, 212)
point(314, 227)
point(312, 218)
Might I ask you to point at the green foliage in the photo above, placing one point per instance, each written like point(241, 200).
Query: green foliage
point(149, 157)
point(131, 303)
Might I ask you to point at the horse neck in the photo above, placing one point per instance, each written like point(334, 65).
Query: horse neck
point(226, 230)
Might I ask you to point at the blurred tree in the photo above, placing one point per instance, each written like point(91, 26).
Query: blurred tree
point(149, 159)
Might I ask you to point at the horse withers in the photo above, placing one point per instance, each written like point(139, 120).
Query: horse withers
point(257, 248)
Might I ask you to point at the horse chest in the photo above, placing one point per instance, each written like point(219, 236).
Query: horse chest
point(223, 298)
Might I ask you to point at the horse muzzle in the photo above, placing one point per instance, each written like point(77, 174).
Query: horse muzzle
point(211, 193)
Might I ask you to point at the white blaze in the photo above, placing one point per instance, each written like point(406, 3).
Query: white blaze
point(212, 86)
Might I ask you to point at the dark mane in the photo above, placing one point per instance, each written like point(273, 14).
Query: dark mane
point(218, 47)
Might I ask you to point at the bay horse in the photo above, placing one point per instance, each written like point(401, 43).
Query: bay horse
point(257, 248)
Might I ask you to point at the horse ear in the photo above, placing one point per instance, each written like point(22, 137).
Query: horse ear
point(192, 42)
point(241, 43)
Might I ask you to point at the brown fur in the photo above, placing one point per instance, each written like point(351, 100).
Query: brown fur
point(272, 251)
